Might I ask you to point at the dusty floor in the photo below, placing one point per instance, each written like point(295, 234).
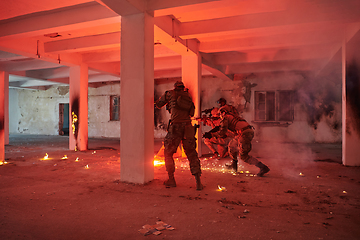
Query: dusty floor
point(307, 194)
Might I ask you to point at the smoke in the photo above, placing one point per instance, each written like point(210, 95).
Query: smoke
point(320, 96)
point(297, 157)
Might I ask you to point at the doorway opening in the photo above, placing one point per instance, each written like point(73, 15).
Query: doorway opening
point(64, 119)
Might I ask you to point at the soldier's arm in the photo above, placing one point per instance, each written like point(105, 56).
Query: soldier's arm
point(163, 100)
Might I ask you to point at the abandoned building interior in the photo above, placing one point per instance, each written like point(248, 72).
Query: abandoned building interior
point(81, 143)
point(291, 68)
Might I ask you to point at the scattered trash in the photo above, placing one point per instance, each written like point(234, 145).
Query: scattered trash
point(290, 191)
point(246, 211)
point(155, 229)
point(241, 216)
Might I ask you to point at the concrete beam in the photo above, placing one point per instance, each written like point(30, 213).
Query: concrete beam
point(294, 16)
point(126, 7)
point(109, 40)
point(73, 17)
point(275, 41)
point(166, 33)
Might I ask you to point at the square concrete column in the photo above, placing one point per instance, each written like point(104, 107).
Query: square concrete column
point(78, 108)
point(191, 77)
point(350, 104)
point(137, 99)
point(4, 113)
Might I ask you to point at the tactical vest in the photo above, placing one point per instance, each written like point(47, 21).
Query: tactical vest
point(181, 100)
point(233, 120)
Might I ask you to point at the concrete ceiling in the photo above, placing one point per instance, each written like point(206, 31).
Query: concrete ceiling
point(41, 39)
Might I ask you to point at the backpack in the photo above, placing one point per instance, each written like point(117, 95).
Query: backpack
point(184, 102)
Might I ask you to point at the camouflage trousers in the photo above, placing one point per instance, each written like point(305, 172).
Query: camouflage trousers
point(221, 143)
point(184, 133)
point(241, 145)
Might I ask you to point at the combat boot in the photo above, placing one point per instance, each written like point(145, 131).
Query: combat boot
point(215, 155)
point(263, 169)
point(170, 182)
point(199, 186)
point(232, 166)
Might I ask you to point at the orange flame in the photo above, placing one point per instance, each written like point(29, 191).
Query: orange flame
point(74, 120)
point(46, 157)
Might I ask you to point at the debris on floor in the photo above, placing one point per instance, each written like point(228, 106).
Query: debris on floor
point(155, 229)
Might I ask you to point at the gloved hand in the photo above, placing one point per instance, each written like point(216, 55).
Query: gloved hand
point(207, 135)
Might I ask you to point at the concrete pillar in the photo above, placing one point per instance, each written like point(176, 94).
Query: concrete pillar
point(350, 104)
point(4, 113)
point(78, 108)
point(191, 77)
point(137, 99)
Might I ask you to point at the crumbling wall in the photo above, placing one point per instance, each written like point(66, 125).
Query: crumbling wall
point(37, 111)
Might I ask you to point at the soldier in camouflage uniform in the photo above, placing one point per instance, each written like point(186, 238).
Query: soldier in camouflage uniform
point(181, 108)
point(213, 139)
point(242, 141)
point(230, 108)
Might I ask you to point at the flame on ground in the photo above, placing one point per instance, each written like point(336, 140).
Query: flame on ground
point(158, 162)
point(46, 157)
point(64, 157)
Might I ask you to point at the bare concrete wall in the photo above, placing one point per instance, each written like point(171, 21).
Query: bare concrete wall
point(37, 111)
point(99, 112)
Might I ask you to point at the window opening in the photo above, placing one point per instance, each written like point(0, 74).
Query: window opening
point(274, 106)
point(114, 108)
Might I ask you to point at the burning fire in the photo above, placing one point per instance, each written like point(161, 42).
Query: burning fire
point(158, 161)
point(64, 157)
point(3, 162)
point(46, 157)
point(77, 159)
point(221, 189)
point(87, 166)
point(74, 120)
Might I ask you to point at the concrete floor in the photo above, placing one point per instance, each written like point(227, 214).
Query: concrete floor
point(307, 194)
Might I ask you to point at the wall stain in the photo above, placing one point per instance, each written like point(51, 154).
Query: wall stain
point(63, 90)
point(353, 92)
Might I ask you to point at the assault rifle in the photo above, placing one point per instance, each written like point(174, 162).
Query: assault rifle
point(207, 111)
point(205, 119)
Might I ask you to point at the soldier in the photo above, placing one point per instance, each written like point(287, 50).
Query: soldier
point(181, 108)
point(242, 141)
point(229, 108)
point(212, 137)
